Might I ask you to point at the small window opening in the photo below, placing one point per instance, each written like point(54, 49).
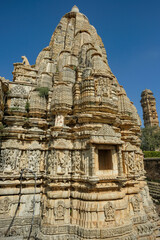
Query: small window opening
point(105, 160)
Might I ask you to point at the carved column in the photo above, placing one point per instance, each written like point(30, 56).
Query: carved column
point(120, 164)
point(93, 160)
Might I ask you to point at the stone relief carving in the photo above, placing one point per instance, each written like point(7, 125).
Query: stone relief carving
point(106, 130)
point(33, 157)
point(102, 87)
point(18, 90)
point(135, 204)
point(127, 146)
point(23, 162)
point(144, 229)
point(62, 143)
point(35, 145)
point(106, 134)
point(11, 143)
point(84, 162)
point(42, 163)
point(109, 212)
point(44, 210)
point(51, 162)
point(32, 204)
point(59, 211)
point(2, 161)
point(62, 160)
point(15, 159)
point(139, 167)
point(18, 103)
point(129, 160)
point(78, 162)
point(10, 159)
point(59, 162)
point(5, 205)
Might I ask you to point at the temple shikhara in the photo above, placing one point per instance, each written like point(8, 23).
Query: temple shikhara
point(71, 166)
point(148, 104)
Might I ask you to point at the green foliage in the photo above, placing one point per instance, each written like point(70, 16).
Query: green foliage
point(26, 119)
point(57, 70)
point(14, 109)
point(151, 154)
point(1, 126)
point(75, 68)
point(27, 106)
point(43, 91)
point(150, 138)
point(129, 113)
point(8, 92)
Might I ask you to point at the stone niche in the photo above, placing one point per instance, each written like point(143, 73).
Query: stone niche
point(67, 121)
point(106, 160)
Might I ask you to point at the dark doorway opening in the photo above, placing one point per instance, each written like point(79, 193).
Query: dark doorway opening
point(105, 160)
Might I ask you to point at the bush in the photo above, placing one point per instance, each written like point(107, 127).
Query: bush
point(43, 91)
point(151, 154)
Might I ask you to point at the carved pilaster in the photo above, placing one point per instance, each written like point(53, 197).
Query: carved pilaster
point(120, 163)
point(93, 171)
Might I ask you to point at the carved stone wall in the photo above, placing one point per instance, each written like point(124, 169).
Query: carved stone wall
point(68, 121)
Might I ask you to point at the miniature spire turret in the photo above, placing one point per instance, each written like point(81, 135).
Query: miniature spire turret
point(148, 104)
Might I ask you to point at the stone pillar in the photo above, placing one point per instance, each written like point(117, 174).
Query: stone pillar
point(120, 164)
point(93, 161)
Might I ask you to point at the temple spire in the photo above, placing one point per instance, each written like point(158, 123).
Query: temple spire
point(75, 9)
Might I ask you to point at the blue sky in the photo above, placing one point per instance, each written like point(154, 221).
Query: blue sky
point(130, 30)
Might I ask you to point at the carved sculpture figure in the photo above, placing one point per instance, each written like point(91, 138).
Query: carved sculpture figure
point(135, 204)
point(59, 211)
point(68, 120)
point(25, 61)
point(109, 212)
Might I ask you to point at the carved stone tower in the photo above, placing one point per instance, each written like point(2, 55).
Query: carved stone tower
point(68, 122)
point(148, 104)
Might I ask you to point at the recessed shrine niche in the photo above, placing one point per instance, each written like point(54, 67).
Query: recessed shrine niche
point(106, 160)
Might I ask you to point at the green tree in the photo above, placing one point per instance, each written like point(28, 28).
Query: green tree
point(150, 138)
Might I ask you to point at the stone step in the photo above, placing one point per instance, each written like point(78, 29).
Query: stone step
point(154, 189)
point(153, 183)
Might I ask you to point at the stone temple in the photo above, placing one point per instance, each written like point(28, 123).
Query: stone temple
point(70, 161)
point(148, 104)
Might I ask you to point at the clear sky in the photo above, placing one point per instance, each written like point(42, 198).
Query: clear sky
point(130, 30)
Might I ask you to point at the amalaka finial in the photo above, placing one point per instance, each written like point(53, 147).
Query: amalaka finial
point(75, 9)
